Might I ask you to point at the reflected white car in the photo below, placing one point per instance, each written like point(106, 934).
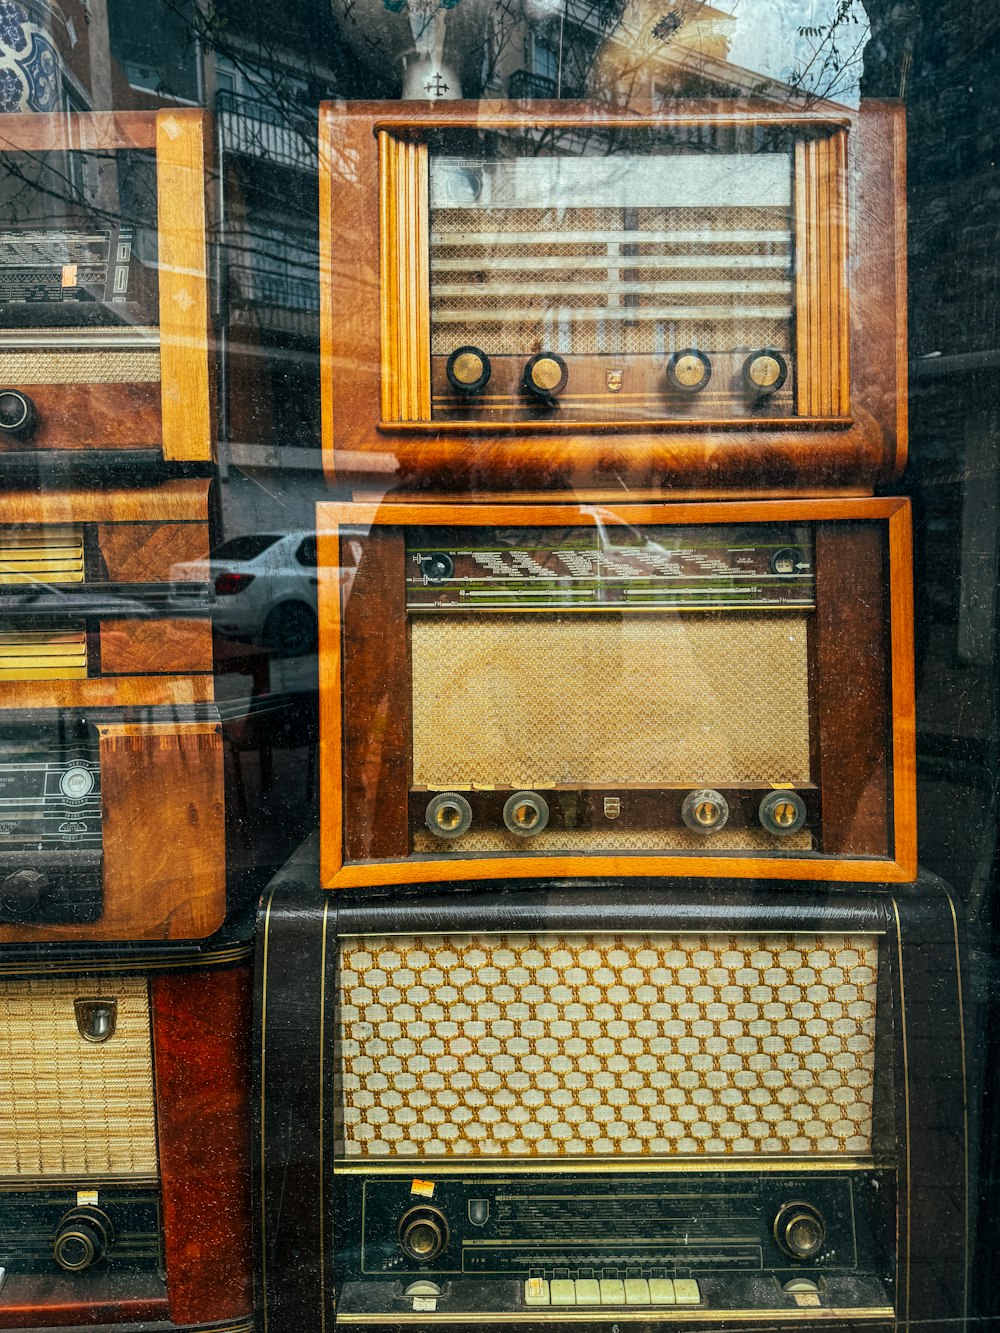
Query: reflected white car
point(264, 586)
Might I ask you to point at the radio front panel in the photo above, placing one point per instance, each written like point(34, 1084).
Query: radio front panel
point(104, 597)
point(103, 286)
point(122, 1193)
point(658, 690)
point(563, 292)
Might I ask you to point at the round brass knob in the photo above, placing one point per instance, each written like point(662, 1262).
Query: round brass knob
point(705, 811)
point(782, 812)
point(83, 1237)
point(545, 375)
point(448, 814)
point(764, 372)
point(526, 813)
point(422, 1233)
point(468, 369)
point(17, 412)
point(800, 1230)
point(689, 370)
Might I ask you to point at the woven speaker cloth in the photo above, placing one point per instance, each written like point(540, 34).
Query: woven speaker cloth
point(75, 365)
point(656, 1045)
point(70, 1107)
point(542, 700)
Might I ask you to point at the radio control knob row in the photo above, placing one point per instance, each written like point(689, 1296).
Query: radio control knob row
point(422, 1233)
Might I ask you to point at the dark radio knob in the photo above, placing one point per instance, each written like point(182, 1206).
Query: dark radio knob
point(17, 412)
point(688, 371)
point(764, 372)
point(83, 1237)
point(468, 369)
point(800, 1230)
point(782, 812)
point(422, 1234)
point(545, 375)
point(526, 813)
point(21, 892)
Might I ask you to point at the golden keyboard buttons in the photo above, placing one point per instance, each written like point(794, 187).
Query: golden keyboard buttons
point(637, 1291)
point(686, 1291)
point(661, 1291)
point(562, 1291)
point(536, 1291)
point(588, 1291)
point(612, 1291)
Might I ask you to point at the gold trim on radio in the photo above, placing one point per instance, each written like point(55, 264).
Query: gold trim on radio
point(480, 1166)
point(645, 1315)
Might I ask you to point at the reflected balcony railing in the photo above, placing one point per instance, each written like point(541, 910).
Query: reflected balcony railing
point(255, 128)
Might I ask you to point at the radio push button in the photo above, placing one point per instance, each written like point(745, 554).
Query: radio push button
point(536, 1291)
point(468, 369)
point(545, 375)
point(588, 1291)
point(612, 1291)
point(705, 811)
point(686, 1291)
point(637, 1291)
point(562, 1291)
point(782, 812)
point(689, 371)
point(661, 1291)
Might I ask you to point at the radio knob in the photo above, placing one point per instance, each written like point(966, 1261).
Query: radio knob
point(526, 813)
point(782, 812)
point(448, 815)
point(765, 372)
point(705, 811)
point(83, 1237)
point(423, 1233)
point(76, 782)
point(800, 1230)
point(545, 375)
point(689, 370)
point(21, 892)
point(17, 412)
point(468, 369)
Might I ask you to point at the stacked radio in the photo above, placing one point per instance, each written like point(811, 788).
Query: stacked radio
point(628, 1003)
point(124, 987)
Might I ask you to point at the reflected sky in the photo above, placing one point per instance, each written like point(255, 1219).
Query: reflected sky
point(767, 37)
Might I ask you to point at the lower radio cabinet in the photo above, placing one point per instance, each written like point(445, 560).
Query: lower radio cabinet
point(605, 1103)
point(124, 1191)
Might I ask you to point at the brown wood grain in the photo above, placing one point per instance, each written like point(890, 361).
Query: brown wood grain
point(30, 132)
point(377, 734)
point(149, 552)
point(331, 713)
point(201, 1045)
point(90, 416)
point(176, 501)
point(55, 1300)
point(850, 688)
point(181, 180)
point(109, 691)
point(164, 848)
point(848, 451)
point(161, 647)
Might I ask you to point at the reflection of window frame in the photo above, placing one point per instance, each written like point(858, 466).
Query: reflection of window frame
point(541, 59)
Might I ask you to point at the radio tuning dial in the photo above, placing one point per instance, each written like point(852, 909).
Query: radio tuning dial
point(764, 372)
point(468, 369)
point(422, 1233)
point(21, 892)
point(800, 1230)
point(545, 375)
point(689, 370)
point(17, 413)
point(83, 1237)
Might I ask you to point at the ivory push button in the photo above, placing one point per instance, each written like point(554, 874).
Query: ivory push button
point(562, 1291)
point(686, 1291)
point(588, 1291)
point(661, 1291)
point(536, 1291)
point(612, 1291)
point(636, 1291)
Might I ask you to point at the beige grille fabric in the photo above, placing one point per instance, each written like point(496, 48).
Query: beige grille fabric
point(612, 840)
point(596, 1045)
point(111, 365)
point(542, 700)
point(69, 1107)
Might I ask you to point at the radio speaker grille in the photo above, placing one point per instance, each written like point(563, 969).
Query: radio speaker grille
point(43, 654)
point(49, 555)
point(92, 365)
point(543, 701)
point(71, 1107)
point(524, 1046)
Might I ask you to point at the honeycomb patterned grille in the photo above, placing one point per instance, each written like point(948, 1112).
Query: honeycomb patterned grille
point(543, 700)
point(524, 1046)
point(516, 280)
point(611, 840)
point(70, 1107)
point(87, 366)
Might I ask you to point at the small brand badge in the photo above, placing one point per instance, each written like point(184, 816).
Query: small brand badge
point(96, 1018)
point(614, 380)
point(612, 807)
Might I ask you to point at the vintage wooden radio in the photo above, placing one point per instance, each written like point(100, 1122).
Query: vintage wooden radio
point(111, 770)
point(591, 1105)
point(708, 297)
point(513, 690)
point(124, 1141)
point(104, 287)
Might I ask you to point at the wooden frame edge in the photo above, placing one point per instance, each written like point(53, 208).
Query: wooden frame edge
point(331, 767)
point(326, 311)
point(904, 725)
